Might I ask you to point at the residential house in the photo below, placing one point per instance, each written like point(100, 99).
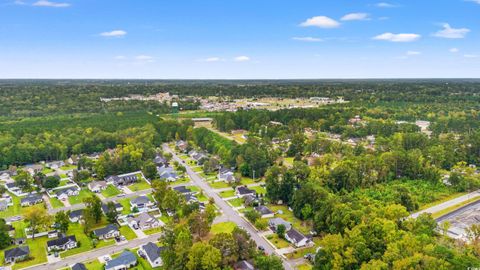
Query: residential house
point(264, 211)
point(198, 157)
point(242, 191)
point(142, 203)
point(182, 146)
point(3, 205)
point(152, 253)
point(52, 234)
point(243, 265)
point(79, 266)
point(31, 199)
point(73, 160)
point(107, 232)
point(296, 238)
point(226, 175)
point(273, 223)
point(6, 197)
point(126, 260)
point(118, 207)
point(183, 190)
point(7, 175)
point(55, 165)
point(19, 241)
point(160, 161)
point(63, 194)
point(62, 243)
point(122, 180)
point(250, 200)
point(97, 186)
point(144, 221)
point(190, 198)
point(32, 169)
point(167, 173)
point(75, 215)
point(17, 254)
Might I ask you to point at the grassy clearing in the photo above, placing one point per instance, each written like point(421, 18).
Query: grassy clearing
point(227, 194)
point(84, 193)
point(47, 170)
point(277, 241)
point(236, 202)
point(223, 227)
point(38, 253)
point(220, 184)
point(140, 185)
point(153, 231)
point(247, 181)
point(110, 191)
point(128, 232)
point(305, 266)
point(126, 205)
point(454, 207)
point(94, 265)
point(259, 190)
point(56, 203)
point(68, 167)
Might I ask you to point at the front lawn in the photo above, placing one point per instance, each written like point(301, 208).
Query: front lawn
point(84, 193)
point(56, 203)
point(16, 208)
point(223, 227)
point(47, 170)
point(287, 215)
point(68, 167)
point(236, 202)
point(94, 265)
point(38, 253)
point(220, 184)
point(153, 231)
point(227, 194)
point(246, 181)
point(128, 232)
point(125, 202)
point(85, 243)
point(277, 241)
point(110, 191)
point(140, 185)
point(259, 190)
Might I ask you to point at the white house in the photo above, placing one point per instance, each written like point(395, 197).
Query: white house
point(296, 238)
point(152, 253)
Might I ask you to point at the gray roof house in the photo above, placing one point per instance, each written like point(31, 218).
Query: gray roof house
point(126, 260)
point(122, 180)
point(75, 215)
point(63, 194)
point(167, 173)
point(107, 232)
point(243, 191)
point(142, 203)
point(63, 243)
point(144, 221)
point(264, 211)
point(160, 160)
point(79, 266)
point(118, 207)
point(182, 190)
point(17, 254)
point(31, 199)
point(273, 223)
point(226, 175)
point(243, 265)
point(296, 238)
point(152, 253)
point(97, 186)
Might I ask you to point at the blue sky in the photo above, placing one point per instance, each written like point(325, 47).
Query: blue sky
point(239, 39)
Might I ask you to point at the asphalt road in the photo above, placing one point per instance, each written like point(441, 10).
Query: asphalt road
point(452, 202)
point(231, 214)
point(94, 254)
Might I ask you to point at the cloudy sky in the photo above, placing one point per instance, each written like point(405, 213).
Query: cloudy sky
point(239, 39)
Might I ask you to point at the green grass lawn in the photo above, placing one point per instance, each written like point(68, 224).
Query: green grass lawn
point(305, 266)
point(19, 228)
point(277, 241)
point(153, 230)
point(300, 252)
point(220, 184)
point(198, 169)
point(16, 209)
point(259, 189)
point(128, 232)
point(183, 180)
point(194, 188)
point(165, 218)
point(84, 193)
point(56, 203)
point(68, 167)
point(110, 191)
point(236, 202)
point(227, 194)
point(246, 181)
point(287, 215)
point(202, 197)
point(38, 253)
point(63, 183)
point(223, 227)
point(94, 265)
point(140, 185)
point(126, 205)
point(85, 243)
point(63, 175)
point(47, 170)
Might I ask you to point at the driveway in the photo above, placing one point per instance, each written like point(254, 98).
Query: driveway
point(229, 212)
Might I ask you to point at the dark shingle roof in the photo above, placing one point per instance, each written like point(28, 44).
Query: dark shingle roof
point(152, 251)
point(244, 265)
point(79, 266)
point(262, 209)
point(61, 241)
point(295, 235)
point(105, 230)
point(245, 190)
point(182, 189)
point(125, 258)
point(76, 213)
point(17, 252)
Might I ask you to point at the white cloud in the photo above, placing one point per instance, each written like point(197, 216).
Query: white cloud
point(471, 56)
point(411, 53)
point(355, 17)
point(114, 33)
point(46, 3)
point(397, 37)
point(449, 32)
point(19, 2)
point(241, 58)
point(475, 1)
point(454, 50)
point(321, 22)
point(212, 59)
point(385, 5)
point(308, 39)
point(143, 57)
point(120, 57)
